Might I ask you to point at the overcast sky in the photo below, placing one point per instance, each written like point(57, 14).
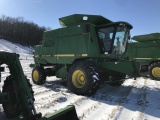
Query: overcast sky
point(144, 15)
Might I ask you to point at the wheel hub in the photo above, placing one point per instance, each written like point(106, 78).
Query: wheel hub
point(78, 79)
point(156, 72)
point(35, 75)
point(81, 78)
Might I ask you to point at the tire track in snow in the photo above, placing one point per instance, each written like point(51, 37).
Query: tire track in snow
point(86, 107)
point(146, 104)
point(153, 97)
point(54, 86)
point(46, 100)
point(81, 102)
point(43, 91)
point(60, 101)
point(103, 103)
point(157, 85)
point(109, 103)
point(117, 109)
point(61, 97)
point(138, 95)
point(142, 103)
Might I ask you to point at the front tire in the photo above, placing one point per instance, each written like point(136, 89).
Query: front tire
point(154, 71)
point(83, 78)
point(38, 75)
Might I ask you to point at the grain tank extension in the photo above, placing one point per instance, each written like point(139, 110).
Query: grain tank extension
point(86, 51)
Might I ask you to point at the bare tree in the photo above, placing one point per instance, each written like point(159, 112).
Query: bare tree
point(20, 31)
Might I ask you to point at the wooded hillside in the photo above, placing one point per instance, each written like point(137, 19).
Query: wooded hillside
point(20, 31)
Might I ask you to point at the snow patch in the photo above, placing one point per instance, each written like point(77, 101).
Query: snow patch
point(95, 77)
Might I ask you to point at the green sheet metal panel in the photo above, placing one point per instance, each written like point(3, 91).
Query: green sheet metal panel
point(45, 53)
point(70, 31)
point(147, 37)
point(79, 18)
point(131, 67)
point(131, 50)
point(147, 44)
point(143, 50)
point(66, 53)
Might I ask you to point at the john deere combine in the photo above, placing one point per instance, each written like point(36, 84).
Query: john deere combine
point(86, 51)
point(146, 51)
point(17, 96)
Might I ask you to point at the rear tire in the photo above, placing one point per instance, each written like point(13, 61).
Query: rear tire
point(154, 71)
point(83, 78)
point(38, 75)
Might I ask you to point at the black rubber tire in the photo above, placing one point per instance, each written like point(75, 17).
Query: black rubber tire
point(91, 78)
point(118, 76)
point(11, 108)
point(8, 105)
point(41, 75)
point(30, 88)
point(151, 67)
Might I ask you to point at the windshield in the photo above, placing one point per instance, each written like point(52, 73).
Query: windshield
point(113, 40)
point(106, 36)
point(120, 40)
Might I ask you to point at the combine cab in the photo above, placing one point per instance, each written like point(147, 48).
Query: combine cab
point(87, 51)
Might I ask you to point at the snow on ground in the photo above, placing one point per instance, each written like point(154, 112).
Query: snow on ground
point(134, 100)
point(23, 51)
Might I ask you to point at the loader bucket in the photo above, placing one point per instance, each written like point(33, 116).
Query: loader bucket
point(67, 113)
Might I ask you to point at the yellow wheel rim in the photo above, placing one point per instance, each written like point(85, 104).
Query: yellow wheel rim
point(156, 72)
point(78, 79)
point(35, 75)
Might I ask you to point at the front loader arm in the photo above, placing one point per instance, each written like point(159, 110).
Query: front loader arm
point(23, 93)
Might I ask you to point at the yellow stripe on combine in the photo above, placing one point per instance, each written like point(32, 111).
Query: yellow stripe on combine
point(84, 55)
point(142, 58)
point(62, 55)
point(36, 56)
point(147, 58)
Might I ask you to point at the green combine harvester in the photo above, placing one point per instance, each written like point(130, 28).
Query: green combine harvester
point(146, 51)
point(87, 51)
